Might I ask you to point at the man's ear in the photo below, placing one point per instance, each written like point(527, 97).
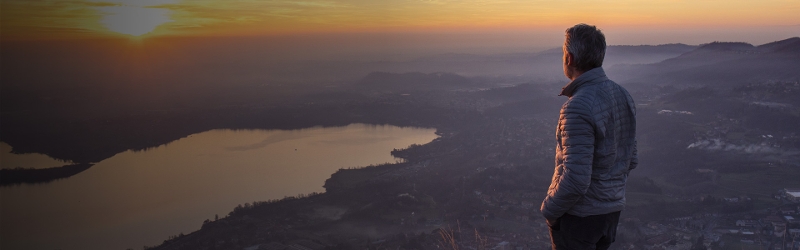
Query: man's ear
point(570, 60)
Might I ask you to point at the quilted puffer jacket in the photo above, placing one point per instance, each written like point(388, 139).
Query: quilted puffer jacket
point(596, 148)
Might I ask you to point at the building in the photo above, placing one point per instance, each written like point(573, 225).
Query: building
point(792, 194)
point(746, 223)
point(779, 228)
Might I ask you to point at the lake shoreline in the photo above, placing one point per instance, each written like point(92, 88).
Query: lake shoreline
point(19, 176)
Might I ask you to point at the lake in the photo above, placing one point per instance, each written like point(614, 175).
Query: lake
point(138, 198)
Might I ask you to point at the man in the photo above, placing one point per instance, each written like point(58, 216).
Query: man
point(596, 148)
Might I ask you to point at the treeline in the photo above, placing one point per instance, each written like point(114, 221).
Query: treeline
point(17, 176)
point(248, 206)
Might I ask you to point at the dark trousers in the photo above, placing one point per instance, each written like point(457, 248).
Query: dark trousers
point(571, 232)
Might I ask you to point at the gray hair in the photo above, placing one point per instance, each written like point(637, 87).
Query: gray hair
point(587, 44)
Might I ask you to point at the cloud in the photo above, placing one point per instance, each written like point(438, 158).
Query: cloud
point(221, 17)
point(133, 20)
point(64, 19)
point(35, 18)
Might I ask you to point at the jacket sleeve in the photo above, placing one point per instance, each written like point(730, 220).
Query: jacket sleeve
point(635, 151)
point(577, 142)
point(634, 156)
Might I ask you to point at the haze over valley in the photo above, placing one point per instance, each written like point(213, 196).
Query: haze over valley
point(717, 132)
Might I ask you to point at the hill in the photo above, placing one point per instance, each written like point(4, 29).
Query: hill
point(414, 81)
point(721, 63)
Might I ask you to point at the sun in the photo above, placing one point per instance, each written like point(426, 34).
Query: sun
point(133, 20)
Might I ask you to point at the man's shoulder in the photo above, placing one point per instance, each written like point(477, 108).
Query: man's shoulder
point(580, 103)
point(594, 91)
point(587, 95)
point(595, 96)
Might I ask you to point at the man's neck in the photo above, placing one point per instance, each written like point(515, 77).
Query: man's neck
point(575, 73)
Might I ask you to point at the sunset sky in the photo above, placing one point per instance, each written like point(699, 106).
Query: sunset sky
point(540, 23)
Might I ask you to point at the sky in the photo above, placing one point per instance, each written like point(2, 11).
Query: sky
point(500, 23)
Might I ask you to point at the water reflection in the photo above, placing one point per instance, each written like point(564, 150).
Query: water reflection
point(10, 160)
point(141, 198)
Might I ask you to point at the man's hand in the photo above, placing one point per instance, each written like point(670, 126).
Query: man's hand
point(553, 223)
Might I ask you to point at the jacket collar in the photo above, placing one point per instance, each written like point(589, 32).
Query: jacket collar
point(593, 75)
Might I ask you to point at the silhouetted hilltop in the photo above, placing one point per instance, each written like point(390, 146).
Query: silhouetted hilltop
point(718, 51)
point(709, 54)
point(383, 81)
point(726, 46)
point(466, 57)
point(615, 54)
point(543, 65)
point(791, 45)
point(643, 54)
point(728, 63)
point(650, 49)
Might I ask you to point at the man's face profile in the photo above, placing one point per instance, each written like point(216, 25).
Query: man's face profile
point(567, 60)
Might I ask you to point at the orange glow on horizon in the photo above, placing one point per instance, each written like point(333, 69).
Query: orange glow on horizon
point(23, 19)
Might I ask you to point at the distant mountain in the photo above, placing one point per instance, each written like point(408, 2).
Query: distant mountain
point(544, 65)
point(642, 54)
point(791, 45)
point(722, 63)
point(386, 81)
point(711, 53)
point(615, 54)
point(672, 48)
point(727, 46)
